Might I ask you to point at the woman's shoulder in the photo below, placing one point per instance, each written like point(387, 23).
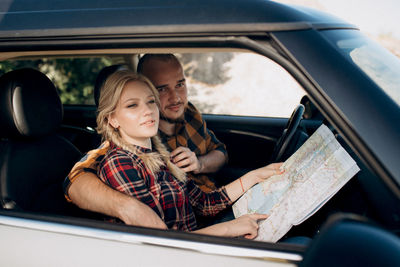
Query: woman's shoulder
point(119, 154)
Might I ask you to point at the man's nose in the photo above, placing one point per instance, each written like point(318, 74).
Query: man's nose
point(173, 95)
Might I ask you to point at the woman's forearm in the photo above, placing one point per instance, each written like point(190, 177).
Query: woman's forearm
point(220, 229)
point(238, 187)
point(245, 226)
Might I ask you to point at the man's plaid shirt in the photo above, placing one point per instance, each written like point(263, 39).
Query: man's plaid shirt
point(174, 201)
point(192, 132)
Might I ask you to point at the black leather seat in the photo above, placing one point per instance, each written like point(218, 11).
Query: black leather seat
point(102, 77)
point(34, 159)
point(84, 139)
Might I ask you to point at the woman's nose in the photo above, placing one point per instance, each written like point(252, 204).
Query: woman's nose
point(148, 109)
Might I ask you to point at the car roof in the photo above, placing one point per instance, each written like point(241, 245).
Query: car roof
point(26, 18)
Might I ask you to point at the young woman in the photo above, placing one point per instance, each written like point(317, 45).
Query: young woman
point(139, 165)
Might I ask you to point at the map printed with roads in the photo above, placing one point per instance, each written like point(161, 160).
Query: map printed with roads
point(318, 169)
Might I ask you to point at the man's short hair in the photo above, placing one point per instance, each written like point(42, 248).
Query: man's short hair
point(162, 57)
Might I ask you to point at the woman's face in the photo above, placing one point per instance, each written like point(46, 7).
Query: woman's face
point(136, 115)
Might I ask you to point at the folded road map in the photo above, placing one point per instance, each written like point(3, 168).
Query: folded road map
point(318, 169)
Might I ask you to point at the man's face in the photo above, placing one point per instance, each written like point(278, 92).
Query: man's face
point(170, 82)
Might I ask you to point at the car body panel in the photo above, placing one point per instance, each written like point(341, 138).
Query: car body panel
point(73, 18)
point(362, 115)
point(92, 247)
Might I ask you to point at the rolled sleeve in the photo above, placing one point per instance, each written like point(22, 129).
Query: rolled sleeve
point(88, 163)
point(213, 143)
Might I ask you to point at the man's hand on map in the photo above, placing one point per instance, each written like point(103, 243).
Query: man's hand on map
point(265, 172)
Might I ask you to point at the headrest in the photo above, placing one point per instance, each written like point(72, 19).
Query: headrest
point(29, 104)
point(102, 77)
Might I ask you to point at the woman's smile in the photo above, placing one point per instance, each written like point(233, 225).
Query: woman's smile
point(149, 122)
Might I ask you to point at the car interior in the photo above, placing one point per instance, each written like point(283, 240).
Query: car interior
point(43, 135)
point(34, 158)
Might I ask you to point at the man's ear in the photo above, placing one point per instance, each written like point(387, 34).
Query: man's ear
point(113, 122)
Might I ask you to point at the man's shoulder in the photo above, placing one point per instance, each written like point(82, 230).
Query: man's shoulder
point(191, 109)
point(192, 114)
point(97, 152)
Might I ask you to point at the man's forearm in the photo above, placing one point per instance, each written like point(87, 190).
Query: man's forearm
point(212, 161)
point(90, 193)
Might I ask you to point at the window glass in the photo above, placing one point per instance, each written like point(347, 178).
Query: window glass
point(240, 84)
point(218, 83)
point(375, 61)
point(73, 77)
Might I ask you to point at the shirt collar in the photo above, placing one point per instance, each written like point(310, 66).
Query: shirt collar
point(179, 123)
point(140, 148)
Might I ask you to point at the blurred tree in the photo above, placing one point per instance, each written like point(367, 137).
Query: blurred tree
point(73, 77)
point(207, 68)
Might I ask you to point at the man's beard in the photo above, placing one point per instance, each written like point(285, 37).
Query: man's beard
point(178, 120)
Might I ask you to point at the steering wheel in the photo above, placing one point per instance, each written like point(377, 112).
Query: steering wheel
point(288, 133)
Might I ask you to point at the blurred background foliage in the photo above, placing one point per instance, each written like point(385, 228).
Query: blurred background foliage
point(75, 77)
point(207, 68)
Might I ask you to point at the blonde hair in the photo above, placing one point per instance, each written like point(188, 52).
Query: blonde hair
point(109, 98)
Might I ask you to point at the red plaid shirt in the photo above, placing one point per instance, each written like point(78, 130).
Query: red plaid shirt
point(174, 201)
point(192, 133)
